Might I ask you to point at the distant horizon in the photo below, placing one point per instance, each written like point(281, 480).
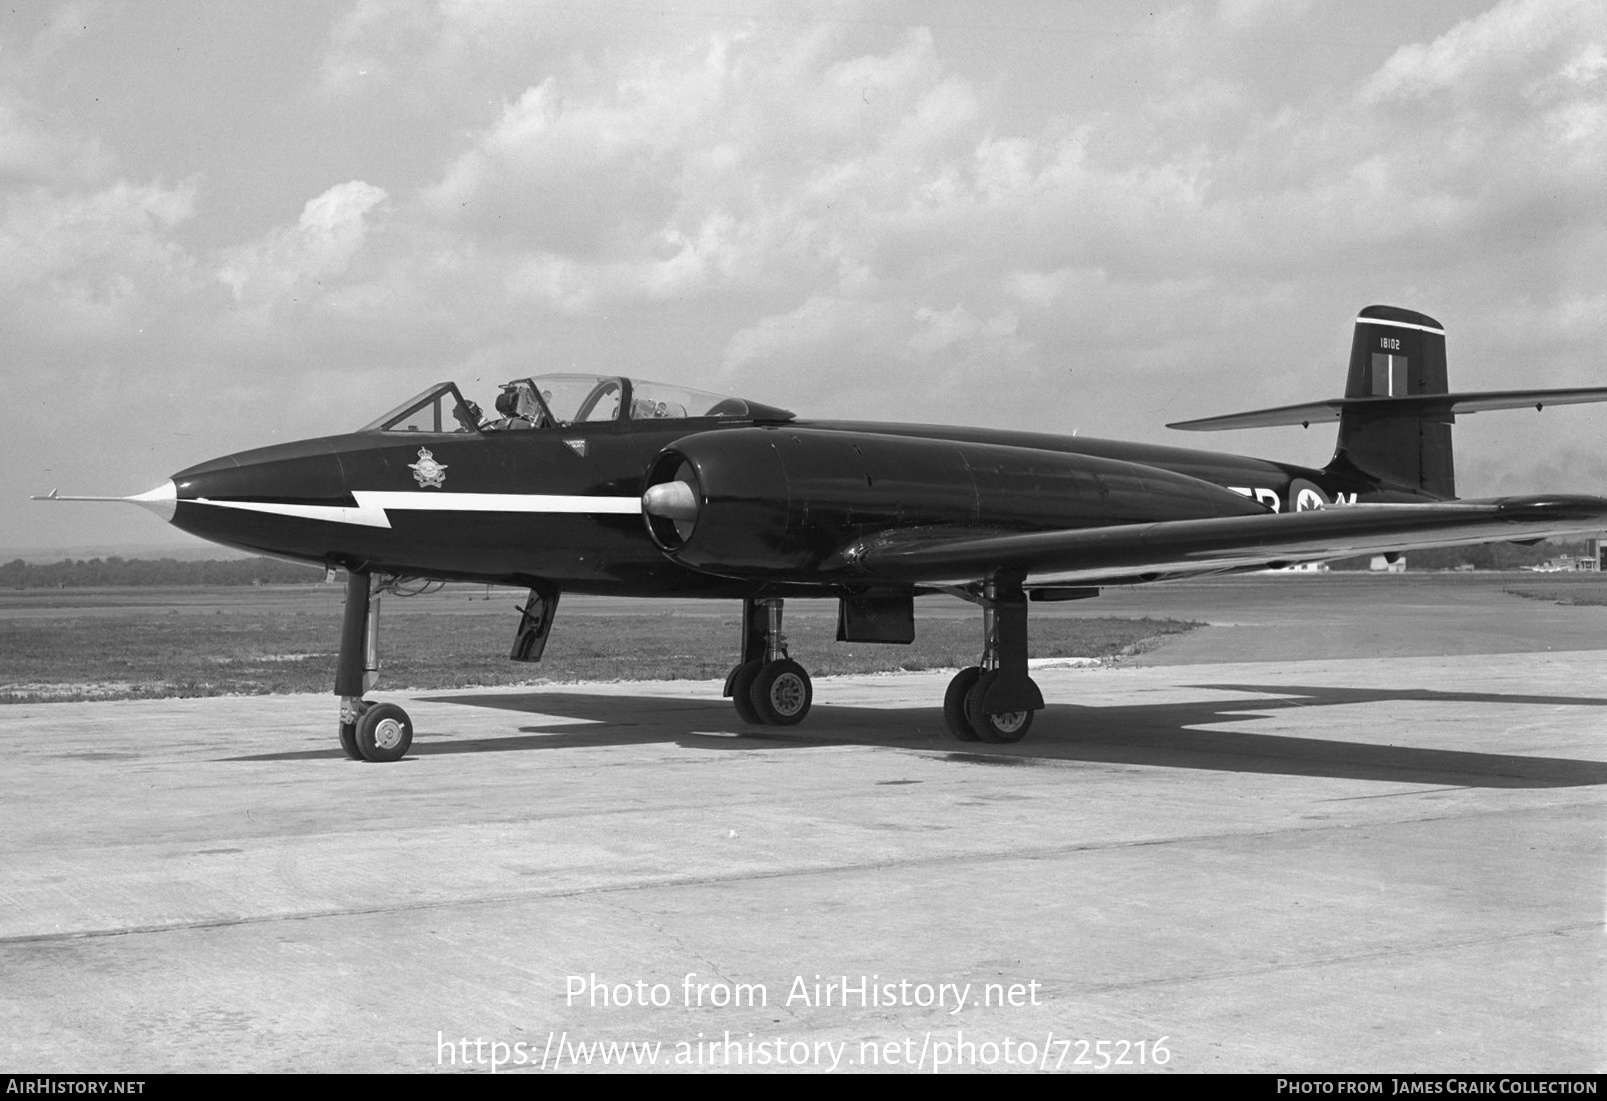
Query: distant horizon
point(179, 551)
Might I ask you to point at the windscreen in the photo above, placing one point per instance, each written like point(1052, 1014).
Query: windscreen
point(440, 409)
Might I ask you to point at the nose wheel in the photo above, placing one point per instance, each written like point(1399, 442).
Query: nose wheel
point(384, 733)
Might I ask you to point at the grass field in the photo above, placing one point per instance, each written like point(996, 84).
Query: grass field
point(123, 644)
point(1585, 590)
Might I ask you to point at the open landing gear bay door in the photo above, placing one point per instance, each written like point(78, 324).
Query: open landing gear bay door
point(1148, 552)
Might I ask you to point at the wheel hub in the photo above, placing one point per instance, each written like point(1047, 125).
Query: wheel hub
point(1009, 722)
point(787, 694)
point(388, 734)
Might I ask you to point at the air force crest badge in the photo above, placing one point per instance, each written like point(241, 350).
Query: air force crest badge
point(427, 470)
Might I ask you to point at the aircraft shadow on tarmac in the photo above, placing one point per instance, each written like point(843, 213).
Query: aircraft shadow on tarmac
point(1170, 735)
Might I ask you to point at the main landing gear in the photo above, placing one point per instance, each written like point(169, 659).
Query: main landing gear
point(767, 687)
point(368, 731)
point(995, 701)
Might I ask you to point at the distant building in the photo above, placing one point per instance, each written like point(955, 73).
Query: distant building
point(1589, 562)
point(1381, 564)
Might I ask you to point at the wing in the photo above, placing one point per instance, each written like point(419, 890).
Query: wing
point(1179, 548)
point(1318, 412)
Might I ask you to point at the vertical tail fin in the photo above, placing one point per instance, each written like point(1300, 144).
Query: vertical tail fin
point(1397, 353)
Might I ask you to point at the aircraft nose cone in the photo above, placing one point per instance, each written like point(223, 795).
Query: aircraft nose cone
point(163, 500)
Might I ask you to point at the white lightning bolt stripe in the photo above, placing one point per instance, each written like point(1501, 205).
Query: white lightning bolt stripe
point(333, 514)
point(430, 501)
point(373, 506)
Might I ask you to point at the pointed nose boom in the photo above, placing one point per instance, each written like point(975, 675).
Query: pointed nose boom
point(163, 500)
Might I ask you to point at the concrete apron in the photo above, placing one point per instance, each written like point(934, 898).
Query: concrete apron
point(1363, 864)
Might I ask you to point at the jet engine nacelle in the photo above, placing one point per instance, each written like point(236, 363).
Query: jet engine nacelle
point(781, 501)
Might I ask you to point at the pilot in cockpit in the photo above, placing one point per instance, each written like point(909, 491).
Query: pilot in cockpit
point(468, 415)
point(519, 409)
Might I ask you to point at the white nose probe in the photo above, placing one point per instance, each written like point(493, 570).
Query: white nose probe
point(163, 500)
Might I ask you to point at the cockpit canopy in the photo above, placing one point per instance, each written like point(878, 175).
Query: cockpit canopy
point(561, 401)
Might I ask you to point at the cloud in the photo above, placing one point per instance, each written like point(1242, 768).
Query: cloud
point(856, 201)
point(852, 208)
point(369, 40)
point(1495, 56)
point(1510, 110)
point(67, 22)
point(33, 154)
point(89, 263)
point(37, 146)
point(308, 256)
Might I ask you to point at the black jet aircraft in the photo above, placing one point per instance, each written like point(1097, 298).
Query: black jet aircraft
point(624, 487)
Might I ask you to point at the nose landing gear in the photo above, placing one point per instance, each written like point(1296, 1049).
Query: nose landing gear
point(368, 731)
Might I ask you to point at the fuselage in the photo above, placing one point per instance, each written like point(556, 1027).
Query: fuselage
point(562, 504)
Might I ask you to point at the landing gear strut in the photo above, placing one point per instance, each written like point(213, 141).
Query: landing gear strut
point(767, 687)
point(368, 731)
point(995, 701)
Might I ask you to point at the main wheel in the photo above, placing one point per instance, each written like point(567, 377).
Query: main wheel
point(782, 693)
point(1002, 727)
point(742, 691)
point(384, 733)
point(954, 704)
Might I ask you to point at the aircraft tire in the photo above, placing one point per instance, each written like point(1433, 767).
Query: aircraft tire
point(384, 733)
point(954, 704)
point(348, 741)
point(1000, 729)
point(742, 691)
point(782, 693)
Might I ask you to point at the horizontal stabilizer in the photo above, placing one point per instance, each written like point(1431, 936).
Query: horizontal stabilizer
point(1180, 548)
point(1422, 405)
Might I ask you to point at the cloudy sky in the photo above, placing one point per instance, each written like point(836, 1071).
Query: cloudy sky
point(225, 225)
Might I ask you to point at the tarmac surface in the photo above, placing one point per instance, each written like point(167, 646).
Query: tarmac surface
point(1220, 856)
